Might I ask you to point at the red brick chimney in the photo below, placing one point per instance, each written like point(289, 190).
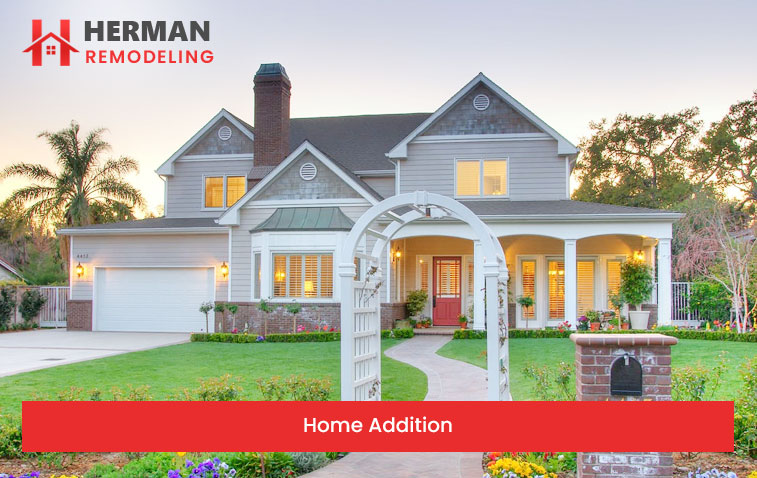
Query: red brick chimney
point(272, 92)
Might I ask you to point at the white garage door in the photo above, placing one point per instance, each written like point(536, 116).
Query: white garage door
point(152, 299)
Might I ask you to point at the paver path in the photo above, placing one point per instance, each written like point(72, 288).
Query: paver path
point(447, 380)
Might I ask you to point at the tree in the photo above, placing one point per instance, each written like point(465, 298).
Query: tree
point(638, 160)
point(85, 190)
point(729, 153)
point(714, 243)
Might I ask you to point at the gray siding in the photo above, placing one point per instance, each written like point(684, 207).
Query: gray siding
point(536, 172)
point(210, 143)
point(241, 252)
point(185, 187)
point(189, 250)
point(382, 185)
point(289, 185)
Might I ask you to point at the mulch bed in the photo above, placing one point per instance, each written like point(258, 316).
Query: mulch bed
point(78, 465)
point(724, 462)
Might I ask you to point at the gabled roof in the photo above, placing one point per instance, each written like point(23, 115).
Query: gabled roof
point(5, 265)
point(41, 39)
point(166, 169)
point(231, 216)
point(306, 219)
point(564, 147)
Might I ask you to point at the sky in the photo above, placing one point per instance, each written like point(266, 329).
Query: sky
point(570, 62)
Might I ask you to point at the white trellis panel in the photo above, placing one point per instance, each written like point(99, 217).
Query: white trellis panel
point(366, 336)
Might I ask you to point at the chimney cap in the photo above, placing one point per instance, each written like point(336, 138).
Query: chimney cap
point(272, 69)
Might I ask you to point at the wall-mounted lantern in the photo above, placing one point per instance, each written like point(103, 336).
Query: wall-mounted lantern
point(79, 270)
point(396, 255)
point(639, 255)
point(224, 270)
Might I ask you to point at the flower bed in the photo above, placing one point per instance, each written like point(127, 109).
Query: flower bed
point(555, 333)
point(292, 338)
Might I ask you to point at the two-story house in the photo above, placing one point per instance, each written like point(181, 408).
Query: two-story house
point(258, 213)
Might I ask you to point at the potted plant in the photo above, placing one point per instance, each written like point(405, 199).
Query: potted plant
point(594, 322)
point(463, 321)
point(525, 301)
point(416, 304)
point(623, 322)
point(636, 283)
point(426, 322)
point(583, 323)
point(617, 302)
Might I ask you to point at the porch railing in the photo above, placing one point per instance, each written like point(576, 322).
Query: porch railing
point(680, 312)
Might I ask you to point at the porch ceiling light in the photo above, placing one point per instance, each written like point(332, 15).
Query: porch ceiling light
point(224, 269)
point(79, 270)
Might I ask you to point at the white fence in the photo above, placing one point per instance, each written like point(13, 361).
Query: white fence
point(53, 313)
point(680, 313)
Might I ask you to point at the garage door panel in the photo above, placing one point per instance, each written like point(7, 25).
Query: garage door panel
point(152, 299)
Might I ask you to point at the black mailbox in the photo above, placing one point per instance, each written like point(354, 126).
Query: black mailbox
point(625, 377)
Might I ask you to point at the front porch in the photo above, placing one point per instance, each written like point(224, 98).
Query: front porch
point(565, 278)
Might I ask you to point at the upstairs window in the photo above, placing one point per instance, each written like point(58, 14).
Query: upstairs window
point(481, 177)
point(224, 191)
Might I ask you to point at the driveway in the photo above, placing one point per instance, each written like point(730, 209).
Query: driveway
point(38, 349)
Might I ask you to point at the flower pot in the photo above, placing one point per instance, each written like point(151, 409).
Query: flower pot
point(463, 325)
point(595, 326)
point(639, 319)
point(624, 326)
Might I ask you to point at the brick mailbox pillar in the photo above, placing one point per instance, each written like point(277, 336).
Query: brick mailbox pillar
point(607, 368)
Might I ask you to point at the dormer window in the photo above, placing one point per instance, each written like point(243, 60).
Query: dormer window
point(481, 178)
point(223, 191)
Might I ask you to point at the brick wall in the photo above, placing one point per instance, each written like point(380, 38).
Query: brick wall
point(652, 308)
point(79, 315)
point(311, 316)
point(595, 354)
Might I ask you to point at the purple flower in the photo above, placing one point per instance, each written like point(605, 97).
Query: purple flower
point(189, 464)
point(260, 338)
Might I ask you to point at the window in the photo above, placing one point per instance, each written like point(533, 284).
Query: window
point(528, 284)
point(423, 265)
point(224, 191)
point(556, 281)
point(585, 284)
point(613, 279)
point(50, 49)
point(303, 275)
point(484, 177)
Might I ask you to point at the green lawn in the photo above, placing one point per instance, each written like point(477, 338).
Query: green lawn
point(169, 369)
point(553, 351)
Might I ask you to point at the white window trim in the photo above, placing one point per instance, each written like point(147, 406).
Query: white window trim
point(481, 177)
point(225, 181)
point(299, 252)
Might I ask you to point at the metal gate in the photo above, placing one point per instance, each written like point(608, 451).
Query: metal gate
point(53, 313)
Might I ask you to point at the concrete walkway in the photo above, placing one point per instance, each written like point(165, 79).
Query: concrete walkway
point(38, 349)
point(447, 380)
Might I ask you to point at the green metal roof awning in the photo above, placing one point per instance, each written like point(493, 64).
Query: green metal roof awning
point(306, 219)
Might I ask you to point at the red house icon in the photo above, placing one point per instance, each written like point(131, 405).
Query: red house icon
point(63, 47)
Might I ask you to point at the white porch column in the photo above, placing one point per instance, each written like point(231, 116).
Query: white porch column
point(478, 287)
point(571, 283)
point(664, 292)
point(347, 349)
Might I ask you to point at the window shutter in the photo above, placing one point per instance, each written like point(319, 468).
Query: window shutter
point(585, 286)
point(528, 281)
point(556, 271)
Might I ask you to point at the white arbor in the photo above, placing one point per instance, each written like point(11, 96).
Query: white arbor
point(361, 308)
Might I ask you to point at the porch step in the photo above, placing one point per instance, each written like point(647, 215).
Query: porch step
point(436, 331)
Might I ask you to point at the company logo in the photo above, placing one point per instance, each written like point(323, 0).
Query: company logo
point(103, 35)
point(51, 44)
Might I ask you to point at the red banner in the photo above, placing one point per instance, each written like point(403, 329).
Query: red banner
point(377, 426)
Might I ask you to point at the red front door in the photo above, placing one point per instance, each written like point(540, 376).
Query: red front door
point(446, 296)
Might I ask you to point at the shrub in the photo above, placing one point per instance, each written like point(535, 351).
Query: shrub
point(416, 302)
point(745, 412)
point(293, 338)
point(7, 305)
point(102, 470)
point(710, 301)
point(10, 437)
point(555, 333)
point(305, 462)
point(294, 387)
point(31, 303)
point(552, 384)
point(249, 465)
point(698, 383)
point(221, 389)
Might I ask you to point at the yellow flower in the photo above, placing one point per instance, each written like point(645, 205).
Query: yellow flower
point(181, 453)
point(753, 474)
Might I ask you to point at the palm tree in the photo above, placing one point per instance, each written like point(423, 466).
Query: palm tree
point(84, 191)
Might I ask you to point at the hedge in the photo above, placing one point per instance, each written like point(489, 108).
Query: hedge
point(554, 333)
point(292, 338)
